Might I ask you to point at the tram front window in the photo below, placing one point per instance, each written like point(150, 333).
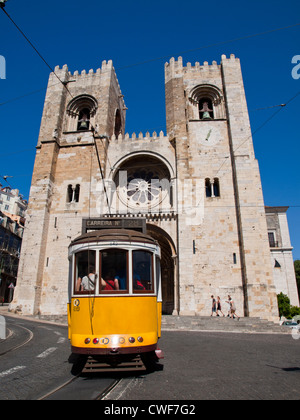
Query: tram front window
point(85, 272)
point(114, 271)
point(142, 271)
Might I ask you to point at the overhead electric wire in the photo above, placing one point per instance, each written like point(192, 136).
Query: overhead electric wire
point(35, 49)
point(157, 59)
point(65, 86)
point(262, 125)
point(211, 45)
point(147, 61)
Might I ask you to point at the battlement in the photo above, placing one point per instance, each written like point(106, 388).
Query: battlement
point(106, 66)
point(175, 68)
point(87, 78)
point(134, 137)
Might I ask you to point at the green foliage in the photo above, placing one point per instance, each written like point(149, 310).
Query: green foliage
point(285, 308)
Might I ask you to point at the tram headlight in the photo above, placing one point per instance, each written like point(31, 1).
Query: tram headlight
point(131, 340)
point(140, 339)
point(96, 341)
point(87, 341)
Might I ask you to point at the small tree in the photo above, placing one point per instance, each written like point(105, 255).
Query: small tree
point(284, 305)
point(285, 308)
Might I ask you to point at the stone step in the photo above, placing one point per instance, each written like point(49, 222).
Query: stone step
point(246, 325)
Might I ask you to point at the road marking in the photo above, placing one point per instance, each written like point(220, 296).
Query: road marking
point(61, 340)
point(46, 353)
point(11, 371)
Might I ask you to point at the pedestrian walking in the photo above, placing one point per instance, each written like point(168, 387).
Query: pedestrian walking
point(233, 310)
point(229, 306)
point(219, 306)
point(214, 306)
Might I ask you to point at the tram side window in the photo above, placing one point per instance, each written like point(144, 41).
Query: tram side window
point(85, 269)
point(142, 271)
point(114, 271)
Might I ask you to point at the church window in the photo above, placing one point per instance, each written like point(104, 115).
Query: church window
point(207, 103)
point(81, 113)
point(77, 192)
point(216, 187)
point(212, 188)
point(73, 194)
point(144, 184)
point(118, 123)
point(208, 188)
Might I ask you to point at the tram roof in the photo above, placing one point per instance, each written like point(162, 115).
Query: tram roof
point(122, 235)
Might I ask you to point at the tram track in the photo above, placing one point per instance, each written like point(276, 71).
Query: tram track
point(12, 334)
point(73, 389)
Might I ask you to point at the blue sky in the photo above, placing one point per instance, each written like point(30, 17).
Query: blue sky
point(82, 35)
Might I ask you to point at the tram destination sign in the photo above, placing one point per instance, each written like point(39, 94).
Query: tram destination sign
point(138, 224)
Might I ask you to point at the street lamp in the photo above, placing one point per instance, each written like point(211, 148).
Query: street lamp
point(2, 3)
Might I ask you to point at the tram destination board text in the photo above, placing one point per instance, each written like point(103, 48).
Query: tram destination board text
point(137, 224)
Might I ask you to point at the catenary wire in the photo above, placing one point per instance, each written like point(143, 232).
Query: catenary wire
point(157, 59)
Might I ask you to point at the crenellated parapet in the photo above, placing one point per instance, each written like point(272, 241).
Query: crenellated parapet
point(176, 68)
point(141, 137)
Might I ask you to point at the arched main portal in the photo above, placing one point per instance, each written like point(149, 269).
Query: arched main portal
point(168, 268)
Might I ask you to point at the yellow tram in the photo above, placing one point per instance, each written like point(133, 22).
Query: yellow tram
point(115, 301)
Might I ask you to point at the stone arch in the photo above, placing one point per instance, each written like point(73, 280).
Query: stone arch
point(168, 267)
point(210, 94)
point(143, 184)
point(78, 107)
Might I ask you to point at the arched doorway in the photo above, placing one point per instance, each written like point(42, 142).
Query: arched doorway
point(167, 267)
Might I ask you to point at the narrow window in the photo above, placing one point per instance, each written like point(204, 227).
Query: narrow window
point(77, 193)
point(272, 241)
point(208, 188)
point(216, 188)
point(70, 194)
point(73, 194)
point(234, 259)
point(118, 123)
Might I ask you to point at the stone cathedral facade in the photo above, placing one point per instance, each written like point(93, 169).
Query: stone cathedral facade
point(196, 190)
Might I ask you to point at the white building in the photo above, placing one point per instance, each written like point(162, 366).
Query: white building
point(12, 202)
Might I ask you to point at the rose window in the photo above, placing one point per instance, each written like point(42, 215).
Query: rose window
point(144, 186)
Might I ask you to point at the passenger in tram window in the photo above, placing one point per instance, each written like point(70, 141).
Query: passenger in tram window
point(78, 285)
point(122, 279)
point(110, 281)
point(88, 282)
point(137, 282)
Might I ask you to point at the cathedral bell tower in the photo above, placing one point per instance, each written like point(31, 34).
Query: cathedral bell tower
point(224, 249)
point(80, 111)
